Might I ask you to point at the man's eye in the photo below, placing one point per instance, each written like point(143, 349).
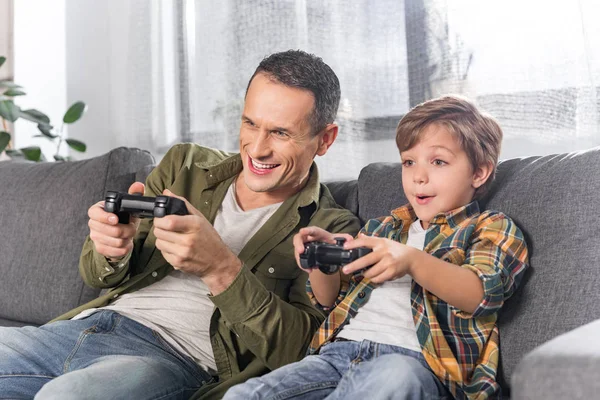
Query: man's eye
point(249, 123)
point(280, 133)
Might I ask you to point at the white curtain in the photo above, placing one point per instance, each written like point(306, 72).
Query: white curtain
point(533, 64)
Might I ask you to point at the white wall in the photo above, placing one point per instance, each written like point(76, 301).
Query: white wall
point(40, 65)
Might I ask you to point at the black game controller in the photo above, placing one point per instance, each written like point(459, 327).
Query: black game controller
point(329, 257)
point(124, 205)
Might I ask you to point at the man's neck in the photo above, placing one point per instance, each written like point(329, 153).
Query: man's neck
point(249, 200)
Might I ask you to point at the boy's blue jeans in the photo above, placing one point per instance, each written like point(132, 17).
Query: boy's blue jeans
point(348, 370)
point(103, 356)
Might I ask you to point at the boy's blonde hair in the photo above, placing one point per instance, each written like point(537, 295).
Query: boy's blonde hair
point(478, 133)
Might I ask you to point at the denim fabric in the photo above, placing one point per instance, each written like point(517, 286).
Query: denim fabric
point(348, 370)
point(103, 356)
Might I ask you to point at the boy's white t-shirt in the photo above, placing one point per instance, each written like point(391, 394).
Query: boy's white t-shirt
point(387, 316)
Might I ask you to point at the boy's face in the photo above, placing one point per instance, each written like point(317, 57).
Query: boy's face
point(437, 175)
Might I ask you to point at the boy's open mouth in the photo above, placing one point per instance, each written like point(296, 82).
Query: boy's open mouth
point(423, 199)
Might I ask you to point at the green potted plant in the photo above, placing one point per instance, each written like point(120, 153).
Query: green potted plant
point(10, 112)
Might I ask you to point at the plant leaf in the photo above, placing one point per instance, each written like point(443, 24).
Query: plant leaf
point(74, 112)
point(33, 153)
point(4, 140)
point(9, 111)
point(34, 115)
point(76, 145)
point(2, 59)
point(14, 93)
point(9, 85)
point(47, 131)
point(14, 153)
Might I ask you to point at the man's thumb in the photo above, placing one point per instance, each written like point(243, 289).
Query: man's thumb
point(136, 188)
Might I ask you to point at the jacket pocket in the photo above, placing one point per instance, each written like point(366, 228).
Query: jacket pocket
point(277, 273)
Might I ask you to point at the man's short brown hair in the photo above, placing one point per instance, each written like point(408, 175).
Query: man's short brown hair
point(478, 133)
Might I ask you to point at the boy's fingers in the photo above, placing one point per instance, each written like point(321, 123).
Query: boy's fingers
point(363, 262)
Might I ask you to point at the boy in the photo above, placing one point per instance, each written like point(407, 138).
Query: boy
point(441, 269)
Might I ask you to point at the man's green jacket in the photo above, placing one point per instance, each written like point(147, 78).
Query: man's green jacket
point(264, 319)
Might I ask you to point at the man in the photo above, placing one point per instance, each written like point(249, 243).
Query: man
point(198, 303)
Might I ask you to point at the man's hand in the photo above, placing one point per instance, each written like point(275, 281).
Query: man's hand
point(312, 234)
point(111, 239)
point(389, 260)
point(190, 244)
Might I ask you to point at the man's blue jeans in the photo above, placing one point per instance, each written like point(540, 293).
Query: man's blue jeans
point(348, 370)
point(103, 356)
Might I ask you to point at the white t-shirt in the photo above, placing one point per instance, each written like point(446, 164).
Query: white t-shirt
point(177, 307)
point(387, 316)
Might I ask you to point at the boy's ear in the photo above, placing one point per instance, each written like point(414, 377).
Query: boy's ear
point(328, 136)
point(482, 173)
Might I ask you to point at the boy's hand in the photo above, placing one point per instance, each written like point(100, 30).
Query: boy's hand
point(389, 260)
point(312, 234)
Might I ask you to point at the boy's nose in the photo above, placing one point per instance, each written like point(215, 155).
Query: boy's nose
point(420, 175)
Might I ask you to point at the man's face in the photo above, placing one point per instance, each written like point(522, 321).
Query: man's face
point(276, 142)
point(437, 175)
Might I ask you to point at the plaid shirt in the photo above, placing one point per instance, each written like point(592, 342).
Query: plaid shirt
point(462, 349)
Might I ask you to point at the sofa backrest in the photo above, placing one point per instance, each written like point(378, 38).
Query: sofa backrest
point(556, 202)
point(43, 223)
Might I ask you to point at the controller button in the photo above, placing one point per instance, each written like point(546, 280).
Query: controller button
point(362, 295)
point(271, 270)
point(154, 274)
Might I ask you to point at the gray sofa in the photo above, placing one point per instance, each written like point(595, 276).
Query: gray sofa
point(546, 351)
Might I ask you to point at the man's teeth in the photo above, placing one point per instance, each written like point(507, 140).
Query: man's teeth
point(263, 166)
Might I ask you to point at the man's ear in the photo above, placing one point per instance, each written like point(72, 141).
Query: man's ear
point(326, 139)
point(481, 174)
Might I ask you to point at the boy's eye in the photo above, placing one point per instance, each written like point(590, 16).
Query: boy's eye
point(408, 163)
point(439, 163)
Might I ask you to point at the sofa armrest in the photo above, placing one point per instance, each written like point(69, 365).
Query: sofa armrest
point(565, 367)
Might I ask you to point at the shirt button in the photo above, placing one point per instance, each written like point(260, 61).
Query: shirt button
point(154, 274)
point(271, 270)
point(210, 175)
point(206, 202)
point(361, 295)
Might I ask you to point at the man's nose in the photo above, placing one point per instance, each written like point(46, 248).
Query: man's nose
point(260, 144)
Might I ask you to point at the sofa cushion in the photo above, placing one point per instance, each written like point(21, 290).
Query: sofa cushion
point(43, 223)
point(555, 200)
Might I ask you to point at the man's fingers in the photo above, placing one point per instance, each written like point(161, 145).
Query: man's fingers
point(191, 209)
point(97, 213)
point(168, 236)
point(111, 252)
point(108, 241)
point(180, 223)
point(122, 231)
point(137, 188)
